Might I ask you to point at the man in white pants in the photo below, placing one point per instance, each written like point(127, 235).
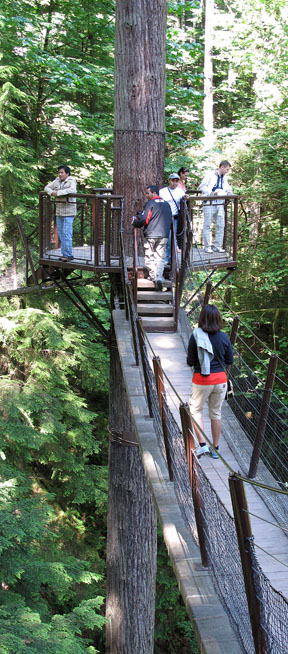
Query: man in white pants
point(215, 183)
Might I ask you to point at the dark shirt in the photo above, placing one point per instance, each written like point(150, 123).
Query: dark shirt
point(221, 347)
point(156, 218)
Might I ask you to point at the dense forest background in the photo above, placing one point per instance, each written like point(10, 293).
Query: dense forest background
point(56, 106)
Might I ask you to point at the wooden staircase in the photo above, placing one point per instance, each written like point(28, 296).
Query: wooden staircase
point(156, 308)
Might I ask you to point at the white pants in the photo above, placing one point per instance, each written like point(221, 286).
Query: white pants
point(155, 254)
point(216, 212)
point(214, 394)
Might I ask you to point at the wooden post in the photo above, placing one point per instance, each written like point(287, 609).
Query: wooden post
point(235, 229)
point(244, 534)
point(234, 330)
point(199, 510)
point(145, 373)
point(207, 293)
point(261, 427)
point(133, 327)
point(161, 391)
point(186, 423)
point(14, 264)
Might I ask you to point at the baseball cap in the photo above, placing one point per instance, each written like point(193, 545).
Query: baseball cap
point(173, 176)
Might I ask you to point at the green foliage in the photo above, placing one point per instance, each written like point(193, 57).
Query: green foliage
point(173, 629)
point(52, 479)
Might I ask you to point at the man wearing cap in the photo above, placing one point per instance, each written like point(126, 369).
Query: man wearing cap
point(156, 219)
point(172, 194)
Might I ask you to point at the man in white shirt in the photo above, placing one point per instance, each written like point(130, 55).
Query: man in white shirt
point(215, 183)
point(66, 208)
point(172, 194)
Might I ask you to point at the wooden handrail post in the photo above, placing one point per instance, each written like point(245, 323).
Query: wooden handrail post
point(244, 534)
point(199, 512)
point(261, 427)
point(160, 392)
point(235, 228)
point(141, 346)
point(208, 292)
point(234, 330)
point(14, 263)
point(187, 429)
point(129, 298)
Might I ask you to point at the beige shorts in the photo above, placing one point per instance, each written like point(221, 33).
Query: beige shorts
point(215, 394)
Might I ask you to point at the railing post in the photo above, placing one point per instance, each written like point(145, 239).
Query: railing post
point(160, 391)
point(194, 482)
point(199, 512)
point(261, 427)
point(186, 423)
point(124, 274)
point(208, 292)
point(141, 345)
point(244, 534)
point(129, 298)
point(14, 264)
point(234, 330)
point(235, 228)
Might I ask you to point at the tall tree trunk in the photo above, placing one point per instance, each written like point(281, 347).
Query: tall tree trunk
point(139, 148)
point(131, 540)
point(140, 81)
point(208, 74)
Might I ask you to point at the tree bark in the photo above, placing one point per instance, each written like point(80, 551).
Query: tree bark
point(208, 74)
point(140, 81)
point(132, 536)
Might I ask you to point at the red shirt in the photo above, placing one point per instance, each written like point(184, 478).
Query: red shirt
point(209, 380)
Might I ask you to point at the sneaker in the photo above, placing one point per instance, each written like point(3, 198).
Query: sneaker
point(208, 250)
point(214, 453)
point(218, 249)
point(158, 284)
point(202, 450)
point(67, 258)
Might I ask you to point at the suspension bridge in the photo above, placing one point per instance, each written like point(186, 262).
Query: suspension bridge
point(225, 521)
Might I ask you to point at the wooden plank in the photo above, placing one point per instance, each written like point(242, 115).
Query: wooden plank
point(157, 309)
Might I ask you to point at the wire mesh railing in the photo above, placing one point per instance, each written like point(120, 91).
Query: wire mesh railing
point(96, 227)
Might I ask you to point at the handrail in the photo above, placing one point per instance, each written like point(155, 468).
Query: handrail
point(175, 273)
point(86, 195)
point(135, 263)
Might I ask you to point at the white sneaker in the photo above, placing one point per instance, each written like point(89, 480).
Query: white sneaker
point(218, 249)
point(202, 450)
point(208, 250)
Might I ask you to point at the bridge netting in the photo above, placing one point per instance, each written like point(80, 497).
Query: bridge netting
point(219, 527)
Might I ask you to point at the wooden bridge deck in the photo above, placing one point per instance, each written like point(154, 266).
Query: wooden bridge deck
point(171, 350)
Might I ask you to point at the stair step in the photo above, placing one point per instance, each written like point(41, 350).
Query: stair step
point(154, 296)
point(159, 324)
point(156, 309)
point(146, 283)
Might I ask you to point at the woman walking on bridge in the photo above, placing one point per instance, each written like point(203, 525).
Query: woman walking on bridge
point(209, 351)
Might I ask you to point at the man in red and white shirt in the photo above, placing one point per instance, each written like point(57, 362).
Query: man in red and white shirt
point(156, 218)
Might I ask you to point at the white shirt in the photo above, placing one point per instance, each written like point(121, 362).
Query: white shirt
point(210, 180)
point(173, 196)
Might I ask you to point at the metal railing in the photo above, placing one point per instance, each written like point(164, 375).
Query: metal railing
point(192, 208)
point(96, 229)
